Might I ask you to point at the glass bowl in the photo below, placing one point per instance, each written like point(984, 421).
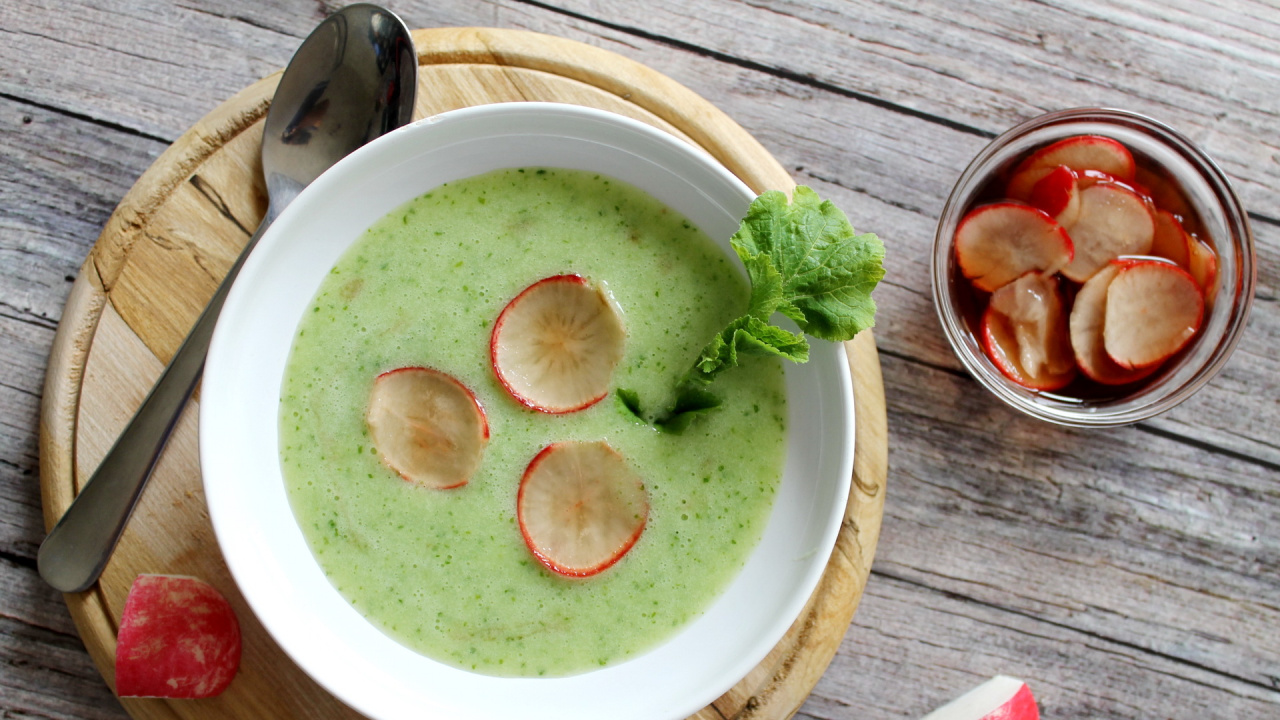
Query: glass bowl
point(1206, 190)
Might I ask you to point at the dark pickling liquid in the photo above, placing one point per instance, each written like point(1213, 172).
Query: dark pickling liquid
point(972, 302)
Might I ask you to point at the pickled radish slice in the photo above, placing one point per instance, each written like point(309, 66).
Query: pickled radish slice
point(1153, 310)
point(1024, 332)
point(427, 426)
point(997, 243)
point(1114, 221)
point(1170, 240)
point(179, 638)
point(554, 347)
point(1058, 194)
point(581, 507)
point(1080, 153)
point(1088, 318)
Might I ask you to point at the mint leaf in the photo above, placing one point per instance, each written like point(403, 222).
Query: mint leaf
point(806, 262)
point(629, 404)
point(691, 402)
point(826, 269)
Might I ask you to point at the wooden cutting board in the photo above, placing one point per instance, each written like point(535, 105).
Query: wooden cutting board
point(172, 239)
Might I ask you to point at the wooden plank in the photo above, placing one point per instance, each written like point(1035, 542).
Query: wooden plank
point(1169, 549)
point(933, 648)
point(1151, 57)
point(889, 167)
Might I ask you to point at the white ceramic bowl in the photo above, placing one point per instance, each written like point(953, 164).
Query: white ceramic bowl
point(264, 547)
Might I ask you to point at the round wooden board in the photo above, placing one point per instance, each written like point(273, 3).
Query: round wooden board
point(173, 237)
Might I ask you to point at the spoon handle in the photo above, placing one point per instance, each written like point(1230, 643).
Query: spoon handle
point(77, 549)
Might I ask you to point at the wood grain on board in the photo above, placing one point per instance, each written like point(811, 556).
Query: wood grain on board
point(174, 235)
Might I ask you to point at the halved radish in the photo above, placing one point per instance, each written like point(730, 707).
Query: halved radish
point(1024, 331)
point(179, 638)
point(997, 243)
point(1202, 263)
point(554, 347)
point(1171, 241)
point(1153, 310)
point(1058, 194)
point(428, 427)
point(1080, 152)
point(581, 507)
point(1114, 221)
point(1088, 318)
point(1000, 698)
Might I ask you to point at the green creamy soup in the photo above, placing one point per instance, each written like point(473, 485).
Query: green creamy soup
point(446, 572)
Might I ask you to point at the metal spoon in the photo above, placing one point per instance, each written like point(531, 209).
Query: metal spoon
point(353, 79)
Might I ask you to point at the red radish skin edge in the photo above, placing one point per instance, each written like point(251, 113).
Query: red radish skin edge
point(484, 417)
point(552, 565)
point(976, 704)
point(1005, 365)
point(980, 281)
point(484, 420)
point(493, 351)
point(1037, 158)
point(1101, 368)
point(1199, 321)
point(1042, 161)
point(178, 638)
point(1052, 193)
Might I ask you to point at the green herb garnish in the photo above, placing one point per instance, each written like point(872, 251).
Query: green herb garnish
point(806, 262)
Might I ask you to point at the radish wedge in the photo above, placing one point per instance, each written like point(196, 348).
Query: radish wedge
point(1114, 221)
point(179, 638)
point(1000, 698)
point(1080, 153)
point(581, 507)
point(1153, 310)
point(554, 347)
point(997, 243)
point(1171, 241)
point(1088, 318)
point(428, 427)
point(1024, 331)
point(1058, 194)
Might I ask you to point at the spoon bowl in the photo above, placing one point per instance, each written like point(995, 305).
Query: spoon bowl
point(354, 78)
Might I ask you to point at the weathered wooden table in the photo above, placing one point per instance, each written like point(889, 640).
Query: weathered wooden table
point(1130, 573)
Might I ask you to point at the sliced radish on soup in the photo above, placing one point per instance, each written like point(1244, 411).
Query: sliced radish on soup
point(1024, 332)
point(581, 507)
point(554, 347)
point(1114, 221)
point(1153, 310)
point(997, 243)
point(179, 638)
point(427, 426)
point(1088, 319)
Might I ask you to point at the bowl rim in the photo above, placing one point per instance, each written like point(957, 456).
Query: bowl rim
point(1184, 380)
point(215, 407)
